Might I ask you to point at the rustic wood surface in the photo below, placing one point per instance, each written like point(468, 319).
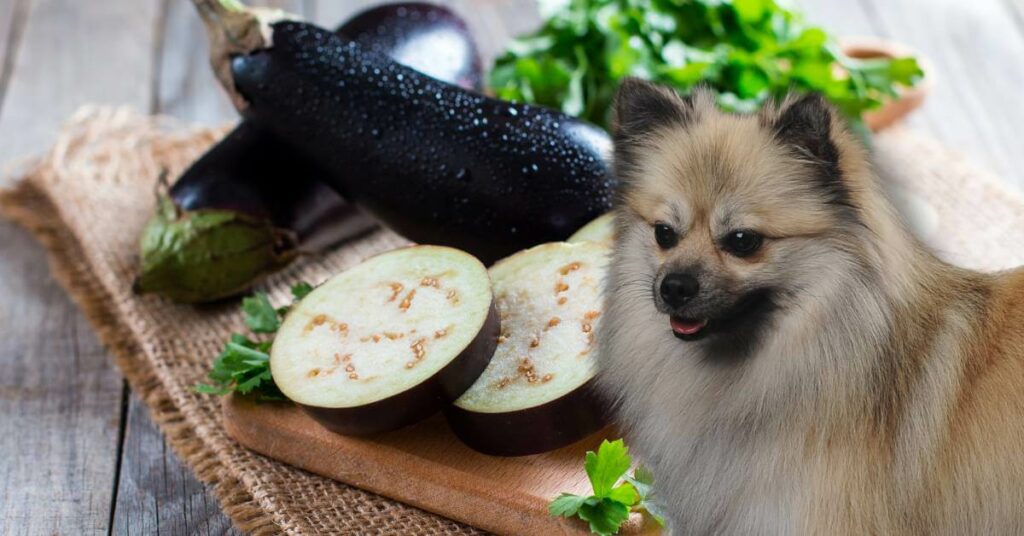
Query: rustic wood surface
point(78, 454)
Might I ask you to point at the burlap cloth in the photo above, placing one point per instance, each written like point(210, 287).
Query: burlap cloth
point(88, 198)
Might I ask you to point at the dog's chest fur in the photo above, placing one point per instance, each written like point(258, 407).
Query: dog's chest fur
point(747, 449)
point(728, 475)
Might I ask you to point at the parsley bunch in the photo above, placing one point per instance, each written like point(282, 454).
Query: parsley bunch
point(747, 51)
point(243, 366)
point(616, 494)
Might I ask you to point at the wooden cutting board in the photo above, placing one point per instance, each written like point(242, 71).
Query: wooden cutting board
point(426, 466)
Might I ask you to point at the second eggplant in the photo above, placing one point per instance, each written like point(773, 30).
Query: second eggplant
point(251, 203)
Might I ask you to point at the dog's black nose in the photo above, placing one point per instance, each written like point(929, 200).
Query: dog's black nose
point(677, 289)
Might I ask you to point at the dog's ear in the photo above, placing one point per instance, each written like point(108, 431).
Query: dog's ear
point(804, 124)
point(642, 107)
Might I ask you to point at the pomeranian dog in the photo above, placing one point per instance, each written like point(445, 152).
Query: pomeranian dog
point(782, 353)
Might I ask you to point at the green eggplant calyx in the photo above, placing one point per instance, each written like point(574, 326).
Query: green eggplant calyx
point(207, 254)
point(235, 29)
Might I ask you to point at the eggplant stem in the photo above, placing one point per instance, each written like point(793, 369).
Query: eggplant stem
point(235, 29)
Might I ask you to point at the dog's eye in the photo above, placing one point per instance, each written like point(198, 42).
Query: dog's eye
point(742, 243)
point(665, 236)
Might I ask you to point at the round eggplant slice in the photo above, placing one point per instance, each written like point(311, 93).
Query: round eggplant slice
point(537, 393)
point(388, 342)
point(601, 230)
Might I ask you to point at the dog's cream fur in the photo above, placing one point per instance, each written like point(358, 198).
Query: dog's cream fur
point(885, 394)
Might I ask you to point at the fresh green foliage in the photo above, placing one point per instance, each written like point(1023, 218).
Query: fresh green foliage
point(615, 493)
point(243, 366)
point(206, 254)
point(747, 51)
point(642, 480)
point(260, 316)
point(301, 289)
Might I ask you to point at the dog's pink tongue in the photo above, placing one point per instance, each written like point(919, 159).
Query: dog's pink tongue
point(687, 327)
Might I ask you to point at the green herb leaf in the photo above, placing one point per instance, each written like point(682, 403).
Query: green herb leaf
point(244, 365)
point(301, 289)
point(605, 516)
point(747, 51)
point(642, 480)
point(260, 316)
point(607, 466)
point(566, 505)
point(624, 493)
point(615, 493)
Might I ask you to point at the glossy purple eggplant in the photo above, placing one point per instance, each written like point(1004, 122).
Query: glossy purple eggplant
point(253, 202)
point(439, 164)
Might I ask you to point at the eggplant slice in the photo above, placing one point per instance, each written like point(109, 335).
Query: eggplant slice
point(537, 393)
point(388, 342)
point(601, 230)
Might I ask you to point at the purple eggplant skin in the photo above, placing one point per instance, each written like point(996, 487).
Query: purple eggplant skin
point(534, 430)
point(252, 172)
point(422, 400)
point(437, 163)
point(426, 37)
point(268, 199)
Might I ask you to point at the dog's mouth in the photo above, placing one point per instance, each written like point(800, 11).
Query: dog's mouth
point(742, 319)
point(686, 328)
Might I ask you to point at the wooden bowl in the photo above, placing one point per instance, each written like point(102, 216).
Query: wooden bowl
point(909, 98)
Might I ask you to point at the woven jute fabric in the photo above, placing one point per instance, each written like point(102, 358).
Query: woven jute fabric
point(87, 199)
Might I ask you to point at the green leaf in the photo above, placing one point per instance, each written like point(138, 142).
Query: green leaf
point(201, 255)
point(905, 71)
point(212, 389)
point(301, 289)
point(744, 50)
point(624, 493)
point(607, 466)
point(751, 10)
point(605, 516)
point(642, 480)
point(566, 505)
point(243, 366)
point(751, 83)
point(260, 316)
point(611, 504)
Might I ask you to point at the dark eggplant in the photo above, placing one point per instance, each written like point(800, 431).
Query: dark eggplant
point(439, 164)
point(252, 202)
point(388, 342)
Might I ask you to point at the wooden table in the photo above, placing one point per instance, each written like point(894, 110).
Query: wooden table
point(78, 453)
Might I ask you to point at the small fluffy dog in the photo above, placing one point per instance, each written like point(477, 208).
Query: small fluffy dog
point(783, 354)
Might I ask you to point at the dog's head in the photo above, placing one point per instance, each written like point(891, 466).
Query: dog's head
point(732, 218)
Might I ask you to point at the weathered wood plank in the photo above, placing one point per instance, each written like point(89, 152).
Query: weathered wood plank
point(72, 53)
point(12, 17)
point(60, 399)
point(184, 84)
point(977, 50)
point(157, 494)
point(61, 396)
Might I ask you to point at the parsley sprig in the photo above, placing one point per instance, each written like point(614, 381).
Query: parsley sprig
point(243, 366)
point(616, 493)
point(747, 51)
